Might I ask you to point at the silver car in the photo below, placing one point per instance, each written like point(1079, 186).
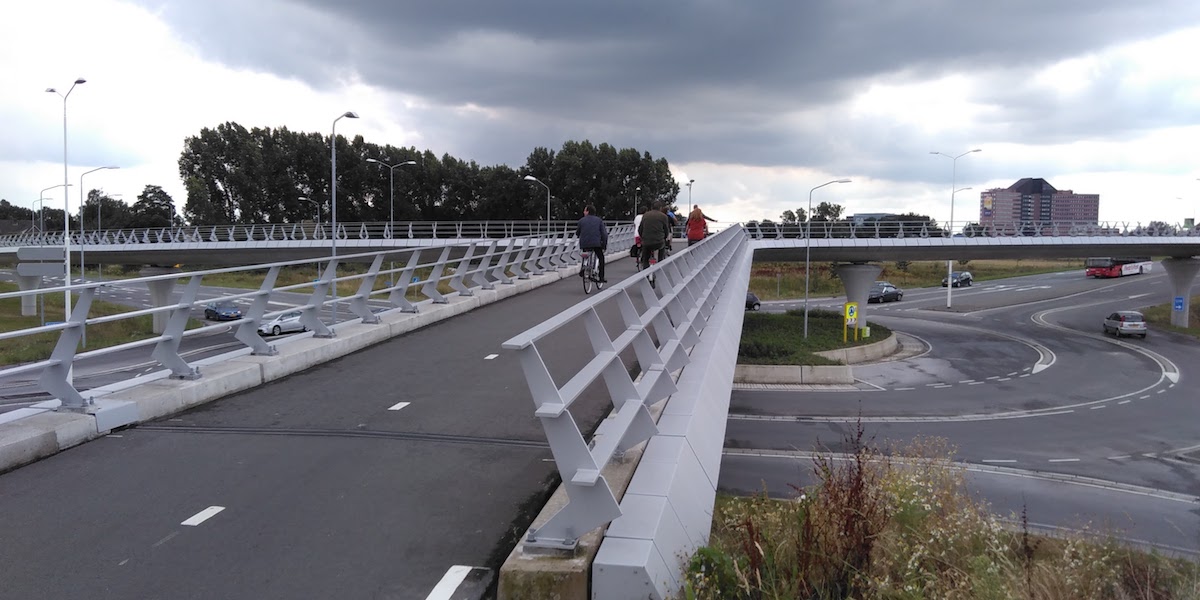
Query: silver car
point(1125, 322)
point(284, 323)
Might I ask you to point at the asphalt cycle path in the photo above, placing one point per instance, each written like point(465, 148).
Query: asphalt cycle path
point(368, 476)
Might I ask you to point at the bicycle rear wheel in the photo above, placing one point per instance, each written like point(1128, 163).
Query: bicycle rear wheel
point(587, 275)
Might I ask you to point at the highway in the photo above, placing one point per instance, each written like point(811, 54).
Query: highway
point(1049, 414)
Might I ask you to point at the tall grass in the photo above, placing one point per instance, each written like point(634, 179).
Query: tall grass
point(900, 524)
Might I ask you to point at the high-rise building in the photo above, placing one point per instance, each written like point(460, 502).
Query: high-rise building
point(1030, 201)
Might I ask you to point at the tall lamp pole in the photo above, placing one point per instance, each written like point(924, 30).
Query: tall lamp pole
point(950, 226)
point(808, 248)
point(42, 227)
point(392, 195)
point(333, 202)
point(636, 191)
point(66, 209)
point(689, 184)
point(535, 179)
point(82, 268)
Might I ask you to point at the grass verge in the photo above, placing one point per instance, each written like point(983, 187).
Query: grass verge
point(901, 524)
point(1160, 317)
point(778, 339)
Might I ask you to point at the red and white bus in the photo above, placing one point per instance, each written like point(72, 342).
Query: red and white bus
point(1116, 267)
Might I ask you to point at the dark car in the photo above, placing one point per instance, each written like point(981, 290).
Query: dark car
point(959, 278)
point(1125, 322)
point(222, 310)
point(752, 302)
point(883, 291)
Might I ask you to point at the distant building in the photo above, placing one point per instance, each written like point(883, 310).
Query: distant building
point(1030, 201)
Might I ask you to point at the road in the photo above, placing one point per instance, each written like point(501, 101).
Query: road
point(1051, 415)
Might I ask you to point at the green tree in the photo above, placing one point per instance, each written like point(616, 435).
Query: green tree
point(154, 208)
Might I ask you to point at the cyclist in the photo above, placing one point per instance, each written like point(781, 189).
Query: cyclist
point(697, 225)
point(655, 230)
point(593, 237)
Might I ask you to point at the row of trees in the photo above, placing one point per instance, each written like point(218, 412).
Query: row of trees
point(153, 208)
point(238, 175)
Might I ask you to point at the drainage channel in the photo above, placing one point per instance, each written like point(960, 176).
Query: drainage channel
point(362, 433)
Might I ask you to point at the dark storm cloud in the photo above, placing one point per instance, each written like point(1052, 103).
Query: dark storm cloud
point(695, 81)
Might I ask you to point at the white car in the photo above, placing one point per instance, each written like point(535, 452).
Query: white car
point(284, 323)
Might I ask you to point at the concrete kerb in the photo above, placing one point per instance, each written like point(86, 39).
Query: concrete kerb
point(32, 438)
point(819, 375)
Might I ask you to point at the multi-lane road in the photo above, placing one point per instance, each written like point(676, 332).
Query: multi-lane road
point(1049, 414)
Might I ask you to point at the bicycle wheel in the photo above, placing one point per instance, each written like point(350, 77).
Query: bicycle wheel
point(587, 275)
point(599, 282)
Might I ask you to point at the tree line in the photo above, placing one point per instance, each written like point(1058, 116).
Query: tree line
point(153, 208)
point(237, 175)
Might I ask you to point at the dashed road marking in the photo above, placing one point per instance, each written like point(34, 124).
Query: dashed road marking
point(1063, 460)
point(399, 405)
point(997, 460)
point(490, 356)
point(1125, 402)
point(203, 516)
point(1097, 407)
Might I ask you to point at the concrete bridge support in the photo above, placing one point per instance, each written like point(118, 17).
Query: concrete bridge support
point(160, 293)
point(1182, 272)
point(28, 303)
point(857, 279)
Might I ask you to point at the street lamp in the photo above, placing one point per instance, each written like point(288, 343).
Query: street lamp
point(82, 268)
point(535, 179)
point(333, 200)
point(689, 184)
point(808, 248)
point(392, 195)
point(316, 205)
point(66, 209)
point(391, 190)
point(950, 225)
point(636, 191)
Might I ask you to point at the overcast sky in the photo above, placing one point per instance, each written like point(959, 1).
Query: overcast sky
point(758, 101)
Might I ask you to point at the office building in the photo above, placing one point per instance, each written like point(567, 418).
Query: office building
point(1031, 201)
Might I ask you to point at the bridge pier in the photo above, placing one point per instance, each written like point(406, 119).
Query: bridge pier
point(1182, 272)
point(858, 279)
point(160, 293)
point(28, 303)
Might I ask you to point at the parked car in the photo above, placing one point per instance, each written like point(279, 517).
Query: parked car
point(222, 310)
point(959, 278)
point(1125, 322)
point(287, 322)
point(883, 291)
point(752, 302)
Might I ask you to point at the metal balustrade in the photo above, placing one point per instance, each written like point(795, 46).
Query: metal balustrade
point(925, 229)
point(296, 232)
point(659, 326)
point(462, 267)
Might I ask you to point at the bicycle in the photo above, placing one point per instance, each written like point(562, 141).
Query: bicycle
point(590, 272)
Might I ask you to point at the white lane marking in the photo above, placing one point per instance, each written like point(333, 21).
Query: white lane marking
point(934, 384)
point(1137, 296)
point(977, 383)
point(399, 405)
point(1143, 397)
point(993, 377)
point(1004, 379)
point(203, 516)
point(904, 389)
point(1125, 402)
point(122, 563)
point(1013, 373)
point(490, 356)
point(1160, 391)
point(967, 381)
point(1121, 457)
point(164, 540)
point(449, 583)
point(1097, 407)
point(1061, 460)
point(1025, 375)
point(997, 460)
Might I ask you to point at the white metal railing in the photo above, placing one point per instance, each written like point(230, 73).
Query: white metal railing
point(658, 326)
point(462, 267)
point(872, 228)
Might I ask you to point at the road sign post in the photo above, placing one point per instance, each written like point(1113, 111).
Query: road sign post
point(1178, 306)
point(851, 320)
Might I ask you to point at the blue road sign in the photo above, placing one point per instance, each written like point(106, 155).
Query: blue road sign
point(1179, 303)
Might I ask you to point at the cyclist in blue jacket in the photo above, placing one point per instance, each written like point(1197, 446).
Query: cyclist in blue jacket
point(593, 237)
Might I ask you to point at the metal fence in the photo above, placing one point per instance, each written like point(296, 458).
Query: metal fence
point(658, 325)
point(463, 268)
point(290, 232)
point(872, 228)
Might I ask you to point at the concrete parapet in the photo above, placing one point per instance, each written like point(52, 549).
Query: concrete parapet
point(41, 435)
point(866, 353)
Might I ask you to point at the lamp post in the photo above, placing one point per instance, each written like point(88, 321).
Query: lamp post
point(66, 210)
point(82, 268)
point(808, 248)
point(316, 205)
point(689, 184)
point(333, 201)
point(42, 230)
point(392, 195)
point(535, 179)
point(950, 225)
point(636, 191)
